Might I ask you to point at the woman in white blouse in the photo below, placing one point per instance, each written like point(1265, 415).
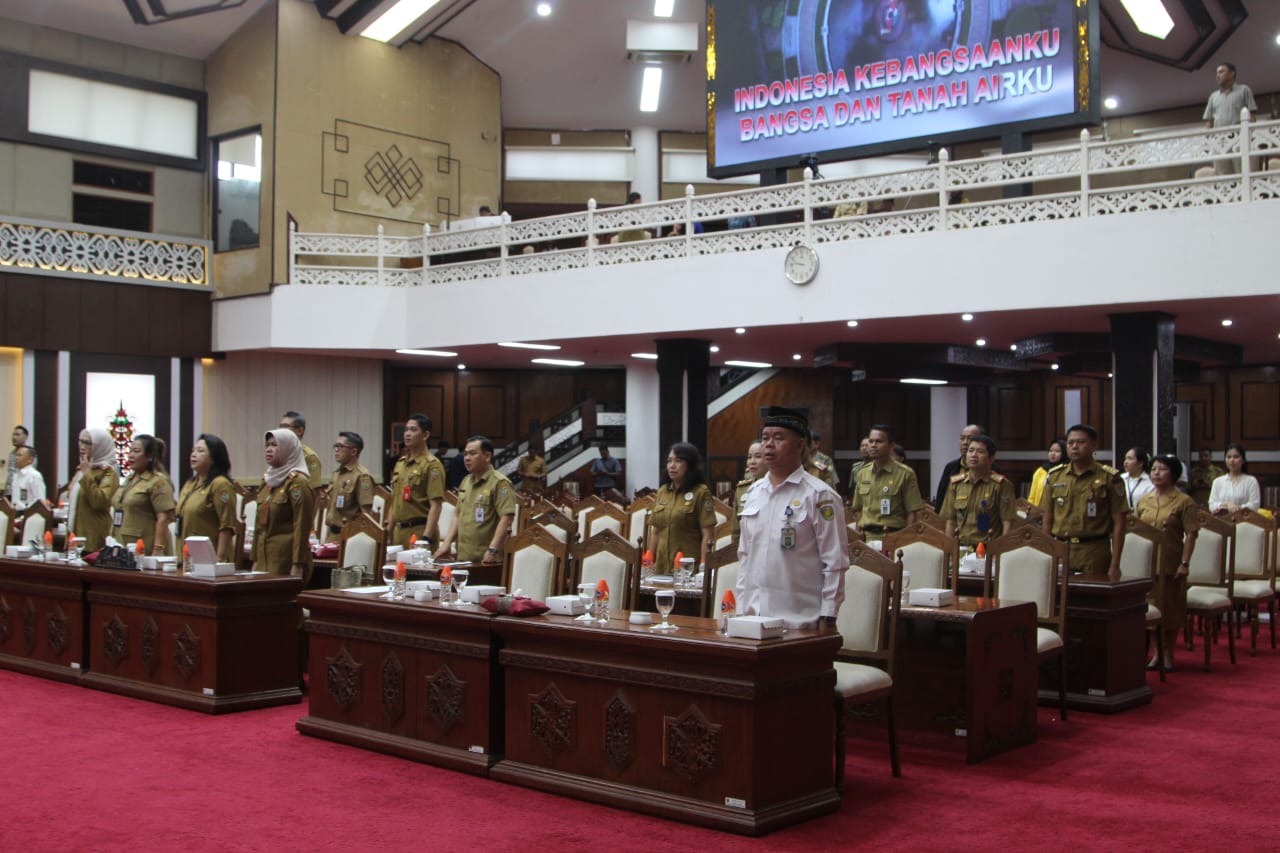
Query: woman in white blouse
point(1237, 489)
point(1137, 482)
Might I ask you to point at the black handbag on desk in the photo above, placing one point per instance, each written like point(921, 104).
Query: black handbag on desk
point(116, 557)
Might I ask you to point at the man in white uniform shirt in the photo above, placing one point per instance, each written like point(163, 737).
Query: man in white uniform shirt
point(793, 549)
point(25, 482)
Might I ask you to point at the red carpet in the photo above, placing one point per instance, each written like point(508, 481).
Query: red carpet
point(85, 770)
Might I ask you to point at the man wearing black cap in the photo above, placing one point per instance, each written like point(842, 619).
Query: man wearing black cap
point(793, 545)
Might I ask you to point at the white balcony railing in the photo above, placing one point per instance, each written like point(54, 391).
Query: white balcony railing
point(82, 251)
point(1092, 178)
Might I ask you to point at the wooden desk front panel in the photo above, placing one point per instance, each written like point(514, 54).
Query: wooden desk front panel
point(734, 734)
point(223, 644)
point(42, 615)
point(406, 678)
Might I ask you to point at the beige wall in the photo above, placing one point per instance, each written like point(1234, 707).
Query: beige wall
point(11, 388)
point(240, 78)
point(99, 55)
point(245, 394)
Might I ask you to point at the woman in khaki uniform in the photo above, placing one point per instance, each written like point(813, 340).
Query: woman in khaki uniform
point(207, 505)
point(143, 505)
point(683, 518)
point(1167, 508)
point(286, 507)
point(92, 488)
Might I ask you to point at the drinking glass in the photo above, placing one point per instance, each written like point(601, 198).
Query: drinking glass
point(460, 578)
point(587, 594)
point(665, 599)
point(389, 575)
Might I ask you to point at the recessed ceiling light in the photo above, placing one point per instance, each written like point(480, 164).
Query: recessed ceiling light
point(982, 342)
point(518, 345)
point(650, 89)
point(648, 356)
point(715, 348)
point(1053, 366)
point(1149, 16)
point(1111, 375)
point(1013, 347)
point(543, 9)
point(739, 331)
point(796, 356)
point(916, 380)
point(437, 353)
point(759, 364)
point(1111, 102)
point(1226, 322)
point(558, 362)
point(462, 367)
point(663, 8)
point(395, 20)
point(968, 318)
point(1277, 38)
point(852, 324)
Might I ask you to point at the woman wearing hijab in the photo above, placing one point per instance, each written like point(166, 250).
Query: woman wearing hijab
point(92, 489)
point(286, 507)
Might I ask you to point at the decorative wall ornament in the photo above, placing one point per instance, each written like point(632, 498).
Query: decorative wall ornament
point(59, 631)
point(29, 626)
point(151, 645)
point(115, 640)
point(383, 173)
point(392, 687)
point(619, 732)
point(691, 744)
point(6, 620)
point(84, 252)
point(446, 698)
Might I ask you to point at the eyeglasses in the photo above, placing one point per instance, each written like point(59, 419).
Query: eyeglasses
point(341, 446)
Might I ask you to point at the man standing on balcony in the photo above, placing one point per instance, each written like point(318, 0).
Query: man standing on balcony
point(605, 470)
point(1223, 110)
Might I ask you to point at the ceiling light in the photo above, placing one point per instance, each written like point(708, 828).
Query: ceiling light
point(1149, 16)
point(543, 9)
point(915, 380)
point(462, 367)
point(968, 318)
point(438, 353)
point(739, 331)
point(759, 364)
point(715, 348)
point(982, 342)
point(650, 89)
point(1111, 102)
point(663, 8)
point(796, 356)
point(1013, 347)
point(648, 356)
point(558, 362)
point(518, 345)
point(1053, 366)
point(397, 19)
point(1111, 375)
point(1277, 38)
point(1226, 322)
point(852, 324)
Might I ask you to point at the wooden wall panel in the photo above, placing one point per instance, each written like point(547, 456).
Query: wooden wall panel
point(487, 413)
point(1259, 416)
point(1012, 416)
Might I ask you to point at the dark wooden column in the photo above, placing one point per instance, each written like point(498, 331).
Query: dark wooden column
point(679, 399)
point(1142, 363)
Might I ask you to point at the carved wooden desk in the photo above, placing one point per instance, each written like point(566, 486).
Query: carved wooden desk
point(407, 678)
point(728, 733)
point(208, 644)
point(969, 670)
point(1106, 645)
point(42, 613)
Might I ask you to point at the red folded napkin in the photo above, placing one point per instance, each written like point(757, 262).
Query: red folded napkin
point(327, 551)
point(511, 605)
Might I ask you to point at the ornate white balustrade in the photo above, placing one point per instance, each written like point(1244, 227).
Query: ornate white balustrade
point(1091, 178)
point(82, 251)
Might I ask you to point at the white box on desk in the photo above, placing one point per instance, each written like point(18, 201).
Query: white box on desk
point(566, 605)
point(204, 561)
point(479, 592)
point(18, 552)
point(756, 627)
point(930, 597)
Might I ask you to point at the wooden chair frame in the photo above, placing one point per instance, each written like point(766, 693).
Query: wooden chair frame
point(536, 536)
point(607, 541)
point(604, 509)
point(1161, 542)
point(890, 572)
point(1250, 604)
point(715, 559)
point(927, 534)
point(556, 518)
point(366, 523)
point(1208, 616)
point(928, 515)
point(38, 508)
point(644, 502)
point(6, 531)
point(1056, 618)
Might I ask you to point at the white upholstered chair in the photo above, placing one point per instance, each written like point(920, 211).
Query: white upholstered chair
point(1141, 558)
point(868, 625)
point(448, 511)
point(36, 519)
point(607, 555)
point(533, 563)
point(638, 519)
point(1209, 585)
point(1254, 559)
point(721, 574)
point(363, 542)
point(930, 555)
point(1027, 564)
point(6, 524)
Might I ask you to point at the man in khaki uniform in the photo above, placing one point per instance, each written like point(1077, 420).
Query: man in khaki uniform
point(1084, 505)
point(298, 424)
point(417, 486)
point(886, 496)
point(824, 467)
point(351, 491)
point(532, 469)
point(1202, 476)
point(860, 464)
point(979, 504)
point(486, 507)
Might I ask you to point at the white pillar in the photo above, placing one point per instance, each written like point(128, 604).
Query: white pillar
point(642, 427)
point(948, 415)
point(644, 140)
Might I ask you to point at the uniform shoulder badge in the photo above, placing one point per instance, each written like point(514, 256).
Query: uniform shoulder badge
point(997, 477)
point(1056, 468)
point(1107, 469)
point(958, 478)
point(827, 511)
